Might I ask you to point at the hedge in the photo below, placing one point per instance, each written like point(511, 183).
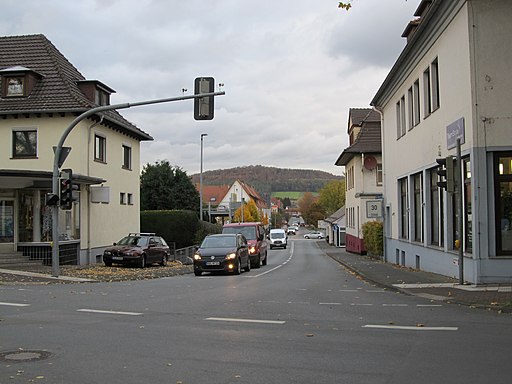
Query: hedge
point(177, 226)
point(373, 238)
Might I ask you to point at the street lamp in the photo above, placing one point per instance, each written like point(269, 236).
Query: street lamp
point(201, 181)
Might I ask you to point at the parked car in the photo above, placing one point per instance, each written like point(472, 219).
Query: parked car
point(314, 235)
point(137, 248)
point(255, 235)
point(222, 252)
point(278, 238)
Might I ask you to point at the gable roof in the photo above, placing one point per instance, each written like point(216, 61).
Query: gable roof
point(213, 193)
point(57, 91)
point(253, 194)
point(369, 139)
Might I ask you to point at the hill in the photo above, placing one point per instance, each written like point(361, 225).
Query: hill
point(269, 179)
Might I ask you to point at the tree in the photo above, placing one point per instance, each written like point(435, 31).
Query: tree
point(310, 209)
point(163, 187)
point(332, 196)
point(250, 211)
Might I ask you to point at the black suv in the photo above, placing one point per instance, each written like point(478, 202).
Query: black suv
point(137, 248)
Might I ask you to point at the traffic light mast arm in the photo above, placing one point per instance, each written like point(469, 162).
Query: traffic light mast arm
point(56, 157)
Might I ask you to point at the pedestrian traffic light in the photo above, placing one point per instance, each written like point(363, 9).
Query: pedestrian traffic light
point(203, 106)
point(446, 173)
point(66, 189)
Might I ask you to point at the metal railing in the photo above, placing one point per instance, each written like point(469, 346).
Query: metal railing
point(68, 252)
point(184, 255)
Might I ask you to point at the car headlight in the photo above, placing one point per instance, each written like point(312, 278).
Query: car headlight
point(197, 256)
point(252, 249)
point(231, 256)
point(107, 253)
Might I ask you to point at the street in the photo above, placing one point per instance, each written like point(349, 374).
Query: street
point(300, 319)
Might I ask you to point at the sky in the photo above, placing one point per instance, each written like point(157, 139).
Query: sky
point(291, 70)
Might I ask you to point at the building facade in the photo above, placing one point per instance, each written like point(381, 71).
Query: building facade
point(452, 81)
point(41, 93)
point(363, 175)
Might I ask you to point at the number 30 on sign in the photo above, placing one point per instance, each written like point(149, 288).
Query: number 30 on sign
point(374, 209)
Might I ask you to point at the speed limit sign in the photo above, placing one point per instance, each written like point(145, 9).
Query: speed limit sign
point(374, 209)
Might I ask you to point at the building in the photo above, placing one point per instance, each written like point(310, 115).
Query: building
point(335, 228)
point(452, 81)
point(363, 175)
point(41, 94)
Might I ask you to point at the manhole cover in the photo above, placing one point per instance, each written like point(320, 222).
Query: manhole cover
point(23, 355)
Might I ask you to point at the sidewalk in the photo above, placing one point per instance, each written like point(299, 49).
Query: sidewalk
point(419, 283)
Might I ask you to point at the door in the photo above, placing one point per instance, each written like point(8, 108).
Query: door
point(6, 224)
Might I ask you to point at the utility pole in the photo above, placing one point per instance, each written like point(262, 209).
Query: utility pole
point(201, 181)
point(459, 189)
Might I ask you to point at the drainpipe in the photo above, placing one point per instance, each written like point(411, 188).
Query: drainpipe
point(386, 219)
point(88, 188)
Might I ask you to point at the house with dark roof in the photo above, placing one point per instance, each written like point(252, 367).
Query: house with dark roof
point(363, 174)
point(41, 93)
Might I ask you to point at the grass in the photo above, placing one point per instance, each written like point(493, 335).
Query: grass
point(292, 195)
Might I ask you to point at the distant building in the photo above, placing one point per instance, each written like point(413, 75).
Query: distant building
point(452, 81)
point(363, 175)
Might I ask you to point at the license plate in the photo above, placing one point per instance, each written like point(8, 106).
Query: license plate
point(213, 263)
point(117, 258)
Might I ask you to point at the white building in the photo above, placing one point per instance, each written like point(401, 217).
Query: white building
point(363, 175)
point(41, 93)
point(452, 80)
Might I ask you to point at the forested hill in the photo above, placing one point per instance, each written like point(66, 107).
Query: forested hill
point(269, 179)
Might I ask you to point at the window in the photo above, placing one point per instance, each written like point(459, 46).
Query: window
point(418, 207)
point(398, 121)
point(127, 157)
point(24, 143)
point(468, 212)
point(122, 198)
point(503, 202)
point(379, 174)
point(436, 210)
point(100, 148)
point(101, 97)
point(402, 115)
point(410, 109)
point(130, 199)
point(416, 108)
point(15, 86)
point(436, 103)
point(404, 209)
point(427, 93)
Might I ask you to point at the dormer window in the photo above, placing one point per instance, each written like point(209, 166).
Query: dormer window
point(96, 91)
point(18, 81)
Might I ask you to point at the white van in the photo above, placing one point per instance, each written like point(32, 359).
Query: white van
point(278, 238)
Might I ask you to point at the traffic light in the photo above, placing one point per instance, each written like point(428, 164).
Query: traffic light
point(203, 106)
point(446, 173)
point(51, 199)
point(66, 189)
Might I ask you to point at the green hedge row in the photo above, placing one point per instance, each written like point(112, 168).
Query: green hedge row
point(180, 227)
point(373, 238)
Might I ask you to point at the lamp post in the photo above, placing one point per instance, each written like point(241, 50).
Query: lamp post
point(201, 181)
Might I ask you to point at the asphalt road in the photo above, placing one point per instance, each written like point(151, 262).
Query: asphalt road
point(300, 319)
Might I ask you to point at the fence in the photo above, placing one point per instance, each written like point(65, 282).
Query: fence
point(68, 252)
point(184, 255)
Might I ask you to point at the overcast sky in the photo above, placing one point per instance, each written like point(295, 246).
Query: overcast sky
point(291, 69)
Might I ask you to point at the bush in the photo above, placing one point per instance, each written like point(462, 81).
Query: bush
point(373, 238)
point(206, 228)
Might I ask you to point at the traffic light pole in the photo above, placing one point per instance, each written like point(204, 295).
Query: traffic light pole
point(56, 157)
point(460, 224)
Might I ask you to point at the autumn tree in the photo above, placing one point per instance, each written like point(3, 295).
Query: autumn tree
point(310, 209)
point(332, 196)
point(164, 187)
point(250, 213)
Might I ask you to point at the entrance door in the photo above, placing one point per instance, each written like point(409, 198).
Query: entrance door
point(6, 223)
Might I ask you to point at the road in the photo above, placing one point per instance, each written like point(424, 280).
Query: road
point(300, 319)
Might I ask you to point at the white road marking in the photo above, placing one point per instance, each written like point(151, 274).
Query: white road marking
point(410, 328)
point(395, 305)
point(14, 304)
point(110, 312)
point(330, 303)
point(348, 290)
point(278, 266)
point(229, 319)
point(362, 305)
point(428, 305)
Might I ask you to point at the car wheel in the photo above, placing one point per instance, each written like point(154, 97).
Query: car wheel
point(163, 263)
point(248, 266)
point(306, 237)
point(108, 263)
point(264, 262)
point(198, 273)
point(238, 267)
point(257, 264)
point(142, 262)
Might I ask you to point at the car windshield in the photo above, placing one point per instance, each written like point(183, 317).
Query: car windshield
point(249, 232)
point(277, 235)
point(135, 241)
point(219, 242)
